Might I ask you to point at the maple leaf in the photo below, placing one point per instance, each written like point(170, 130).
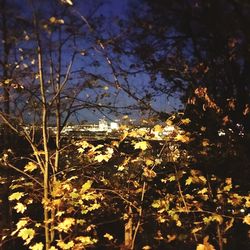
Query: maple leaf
point(143, 145)
point(66, 225)
point(185, 121)
point(27, 234)
point(20, 224)
point(102, 157)
point(16, 196)
point(65, 246)
point(53, 248)
point(149, 162)
point(37, 246)
point(149, 173)
point(86, 240)
point(189, 180)
point(205, 143)
point(20, 207)
point(247, 219)
point(86, 186)
point(31, 166)
point(182, 138)
point(205, 245)
point(108, 236)
point(158, 128)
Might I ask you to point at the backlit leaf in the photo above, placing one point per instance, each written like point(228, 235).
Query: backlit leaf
point(20, 207)
point(86, 240)
point(158, 128)
point(31, 166)
point(86, 186)
point(247, 219)
point(189, 180)
point(182, 138)
point(185, 121)
point(37, 246)
point(108, 236)
point(102, 157)
point(143, 145)
point(149, 173)
point(27, 234)
point(66, 225)
point(16, 196)
point(65, 246)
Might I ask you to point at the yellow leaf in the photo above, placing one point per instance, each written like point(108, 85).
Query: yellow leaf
point(53, 248)
point(206, 245)
point(203, 128)
point(218, 218)
point(203, 191)
point(20, 207)
point(203, 179)
point(102, 157)
point(31, 166)
point(178, 223)
point(66, 225)
point(149, 173)
point(65, 246)
point(205, 143)
point(189, 180)
point(143, 145)
point(37, 246)
point(80, 150)
point(149, 162)
point(108, 236)
point(86, 240)
point(21, 223)
point(247, 219)
point(86, 186)
point(196, 229)
point(169, 122)
point(16, 196)
point(182, 138)
point(27, 234)
point(185, 121)
point(158, 128)
point(172, 178)
point(156, 204)
point(200, 247)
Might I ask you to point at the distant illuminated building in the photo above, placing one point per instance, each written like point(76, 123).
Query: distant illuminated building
point(103, 125)
point(114, 126)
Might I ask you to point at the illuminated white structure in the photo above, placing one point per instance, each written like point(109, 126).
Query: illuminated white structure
point(103, 125)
